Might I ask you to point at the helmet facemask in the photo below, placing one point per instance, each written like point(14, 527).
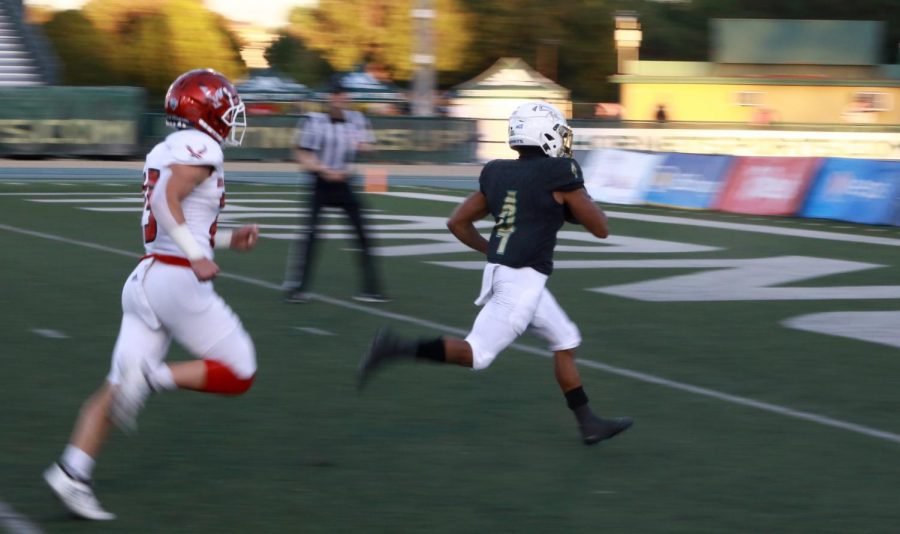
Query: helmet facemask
point(567, 136)
point(236, 118)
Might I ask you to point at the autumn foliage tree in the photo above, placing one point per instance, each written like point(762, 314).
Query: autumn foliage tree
point(85, 52)
point(349, 32)
point(145, 43)
point(290, 56)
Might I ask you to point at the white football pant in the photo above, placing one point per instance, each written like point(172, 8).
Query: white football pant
point(514, 300)
point(161, 302)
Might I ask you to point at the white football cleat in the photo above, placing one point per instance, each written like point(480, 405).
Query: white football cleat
point(75, 495)
point(129, 397)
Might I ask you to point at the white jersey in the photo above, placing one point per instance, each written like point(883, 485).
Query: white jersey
point(201, 207)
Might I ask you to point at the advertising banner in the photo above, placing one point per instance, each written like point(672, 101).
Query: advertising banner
point(767, 186)
point(688, 180)
point(618, 176)
point(397, 139)
point(70, 121)
point(855, 190)
point(743, 142)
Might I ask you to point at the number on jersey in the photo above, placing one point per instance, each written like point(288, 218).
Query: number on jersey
point(506, 223)
point(151, 176)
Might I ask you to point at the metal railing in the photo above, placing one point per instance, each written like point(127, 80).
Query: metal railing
point(35, 42)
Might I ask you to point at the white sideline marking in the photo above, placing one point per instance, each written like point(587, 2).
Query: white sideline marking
point(611, 369)
point(314, 331)
point(15, 522)
point(48, 333)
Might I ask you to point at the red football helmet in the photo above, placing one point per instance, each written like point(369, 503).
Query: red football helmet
point(206, 100)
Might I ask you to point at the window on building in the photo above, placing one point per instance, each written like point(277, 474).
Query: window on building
point(749, 98)
point(870, 101)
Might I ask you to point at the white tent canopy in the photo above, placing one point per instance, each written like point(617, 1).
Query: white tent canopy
point(493, 95)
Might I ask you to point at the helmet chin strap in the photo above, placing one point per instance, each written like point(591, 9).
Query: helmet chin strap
point(212, 133)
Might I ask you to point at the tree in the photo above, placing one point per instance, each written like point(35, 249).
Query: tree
point(146, 43)
point(579, 32)
point(348, 32)
point(83, 50)
point(289, 55)
point(196, 39)
point(113, 15)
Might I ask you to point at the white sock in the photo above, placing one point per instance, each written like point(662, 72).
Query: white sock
point(77, 462)
point(161, 378)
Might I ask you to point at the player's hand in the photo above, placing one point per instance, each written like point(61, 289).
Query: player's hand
point(244, 238)
point(335, 176)
point(205, 269)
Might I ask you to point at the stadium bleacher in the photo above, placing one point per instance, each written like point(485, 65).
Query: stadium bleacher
point(24, 58)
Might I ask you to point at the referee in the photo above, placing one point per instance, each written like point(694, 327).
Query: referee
point(326, 147)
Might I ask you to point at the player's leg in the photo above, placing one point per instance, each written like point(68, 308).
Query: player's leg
point(551, 323)
point(70, 477)
point(511, 297)
point(226, 368)
point(388, 347)
point(201, 321)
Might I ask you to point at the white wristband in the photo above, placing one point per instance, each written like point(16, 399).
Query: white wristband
point(182, 237)
point(223, 238)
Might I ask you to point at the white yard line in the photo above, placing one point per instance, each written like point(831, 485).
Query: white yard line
point(50, 334)
point(445, 329)
point(16, 523)
point(720, 225)
point(314, 331)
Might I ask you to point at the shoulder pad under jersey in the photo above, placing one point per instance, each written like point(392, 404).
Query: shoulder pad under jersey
point(191, 147)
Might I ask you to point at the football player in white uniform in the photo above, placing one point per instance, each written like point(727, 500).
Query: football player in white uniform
point(170, 293)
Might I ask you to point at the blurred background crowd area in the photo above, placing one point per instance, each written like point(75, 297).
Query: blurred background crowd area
point(440, 77)
point(585, 53)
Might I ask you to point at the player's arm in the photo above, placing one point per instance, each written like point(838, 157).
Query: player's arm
point(584, 211)
point(308, 159)
point(170, 215)
point(462, 221)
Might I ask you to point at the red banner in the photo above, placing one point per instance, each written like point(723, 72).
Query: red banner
point(767, 186)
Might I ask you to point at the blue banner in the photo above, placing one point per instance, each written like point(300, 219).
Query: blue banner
point(688, 180)
point(855, 190)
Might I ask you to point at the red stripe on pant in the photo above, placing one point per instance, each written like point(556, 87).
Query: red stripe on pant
point(221, 379)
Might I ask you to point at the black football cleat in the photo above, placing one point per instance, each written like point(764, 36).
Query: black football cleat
point(386, 347)
point(597, 429)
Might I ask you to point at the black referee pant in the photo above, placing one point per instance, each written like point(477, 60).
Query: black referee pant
point(336, 194)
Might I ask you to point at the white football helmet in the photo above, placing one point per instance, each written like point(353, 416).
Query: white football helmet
point(542, 125)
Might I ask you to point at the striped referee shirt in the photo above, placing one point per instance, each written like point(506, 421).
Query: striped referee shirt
point(334, 141)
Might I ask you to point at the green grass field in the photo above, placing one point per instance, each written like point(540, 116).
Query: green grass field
point(433, 449)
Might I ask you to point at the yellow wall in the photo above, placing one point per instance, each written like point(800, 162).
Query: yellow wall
point(717, 103)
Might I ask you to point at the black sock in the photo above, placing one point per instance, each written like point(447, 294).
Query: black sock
point(577, 400)
point(431, 349)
